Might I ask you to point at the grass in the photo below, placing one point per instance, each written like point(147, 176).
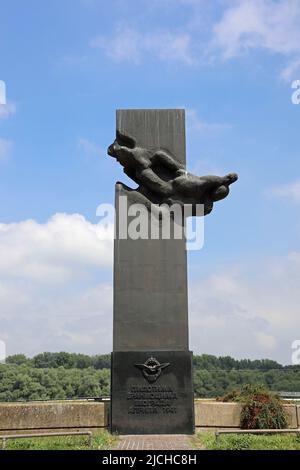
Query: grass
point(101, 440)
point(208, 441)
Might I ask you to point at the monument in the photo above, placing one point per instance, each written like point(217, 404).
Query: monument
point(151, 371)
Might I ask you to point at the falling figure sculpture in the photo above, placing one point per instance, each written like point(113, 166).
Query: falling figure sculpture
point(152, 380)
point(163, 180)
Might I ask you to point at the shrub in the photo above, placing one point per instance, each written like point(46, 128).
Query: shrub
point(261, 409)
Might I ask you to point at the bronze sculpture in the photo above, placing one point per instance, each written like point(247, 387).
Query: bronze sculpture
point(164, 180)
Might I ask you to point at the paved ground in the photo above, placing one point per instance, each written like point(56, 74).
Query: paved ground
point(154, 442)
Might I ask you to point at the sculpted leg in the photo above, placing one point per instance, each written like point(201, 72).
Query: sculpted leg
point(154, 183)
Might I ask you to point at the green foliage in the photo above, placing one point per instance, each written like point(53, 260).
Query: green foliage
point(102, 440)
point(83, 361)
point(28, 383)
point(68, 375)
point(247, 442)
point(69, 361)
point(17, 359)
point(238, 442)
point(262, 409)
point(206, 361)
point(211, 383)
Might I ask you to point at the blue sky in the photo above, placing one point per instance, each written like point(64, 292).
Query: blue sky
point(67, 66)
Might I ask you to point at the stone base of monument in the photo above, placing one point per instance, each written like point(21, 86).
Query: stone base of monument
point(152, 392)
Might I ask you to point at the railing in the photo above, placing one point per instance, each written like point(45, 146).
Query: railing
point(290, 395)
point(255, 431)
point(98, 399)
point(48, 434)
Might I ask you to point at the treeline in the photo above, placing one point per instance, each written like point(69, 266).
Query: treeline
point(22, 382)
point(208, 362)
point(65, 375)
point(49, 360)
point(216, 383)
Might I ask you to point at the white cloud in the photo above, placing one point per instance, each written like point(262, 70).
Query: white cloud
point(63, 248)
point(248, 311)
point(7, 110)
point(35, 319)
point(128, 44)
point(56, 294)
point(244, 25)
point(291, 70)
point(89, 148)
point(5, 148)
point(197, 124)
point(266, 341)
point(289, 191)
point(2, 92)
point(260, 24)
point(51, 293)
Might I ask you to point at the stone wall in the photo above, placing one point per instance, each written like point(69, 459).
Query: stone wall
point(53, 416)
point(84, 415)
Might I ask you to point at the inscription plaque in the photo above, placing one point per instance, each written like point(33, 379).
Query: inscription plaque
point(167, 402)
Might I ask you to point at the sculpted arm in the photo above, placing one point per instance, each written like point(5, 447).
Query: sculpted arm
point(166, 159)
